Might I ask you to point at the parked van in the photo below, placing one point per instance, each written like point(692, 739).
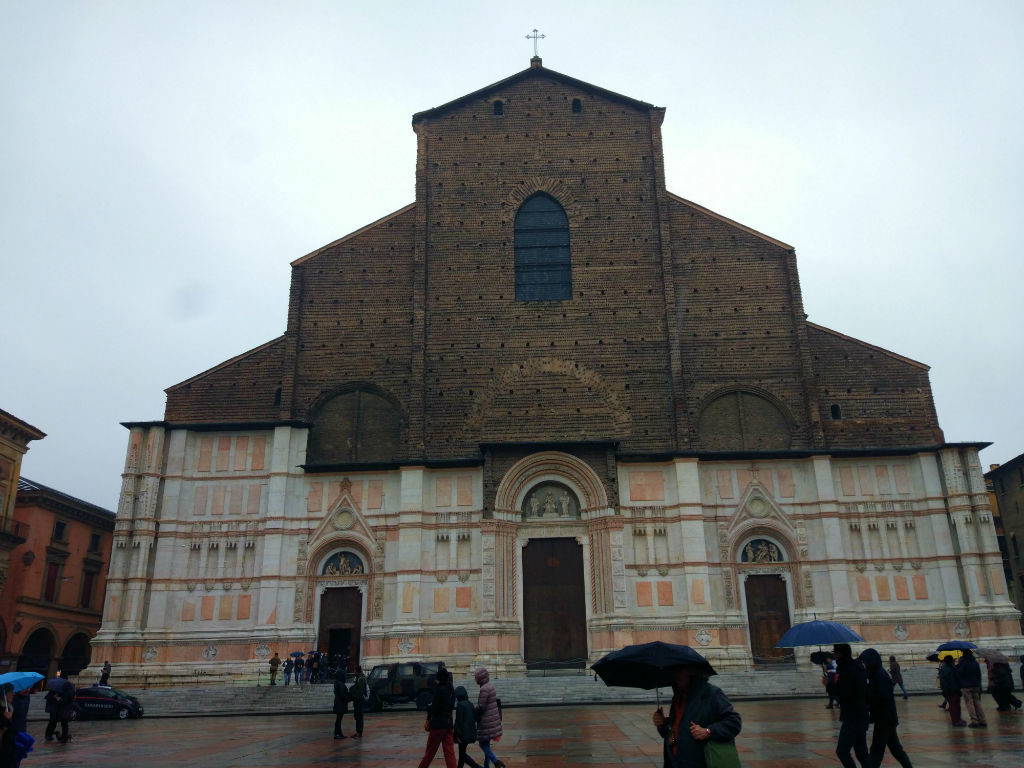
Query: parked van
point(402, 682)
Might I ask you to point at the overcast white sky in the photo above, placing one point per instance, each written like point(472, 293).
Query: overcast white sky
point(162, 163)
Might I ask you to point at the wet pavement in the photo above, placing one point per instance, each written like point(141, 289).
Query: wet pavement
point(777, 733)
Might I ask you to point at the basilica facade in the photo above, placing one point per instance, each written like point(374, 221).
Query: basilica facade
point(546, 410)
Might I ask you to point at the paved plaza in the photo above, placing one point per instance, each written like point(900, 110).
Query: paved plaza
point(778, 733)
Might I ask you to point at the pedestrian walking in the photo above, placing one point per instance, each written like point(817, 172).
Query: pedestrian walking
point(287, 670)
point(105, 673)
point(360, 689)
point(969, 672)
point(831, 675)
point(700, 712)
point(341, 697)
point(465, 727)
point(59, 706)
point(896, 675)
point(882, 710)
point(949, 681)
point(274, 663)
point(1000, 685)
point(298, 669)
point(439, 722)
point(852, 689)
point(488, 715)
point(314, 668)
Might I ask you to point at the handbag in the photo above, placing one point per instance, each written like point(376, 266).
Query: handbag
point(721, 754)
point(426, 724)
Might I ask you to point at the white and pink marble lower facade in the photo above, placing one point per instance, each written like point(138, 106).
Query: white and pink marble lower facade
point(222, 540)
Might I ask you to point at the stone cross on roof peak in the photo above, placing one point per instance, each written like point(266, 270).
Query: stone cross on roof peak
point(535, 36)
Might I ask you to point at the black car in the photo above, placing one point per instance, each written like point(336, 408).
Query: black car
point(102, 701)
point(401, 682)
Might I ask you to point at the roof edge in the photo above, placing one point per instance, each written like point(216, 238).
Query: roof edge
point(525, 74)
point(350, 235)
point(226, 363)
point(875, 347)
point(731, 222)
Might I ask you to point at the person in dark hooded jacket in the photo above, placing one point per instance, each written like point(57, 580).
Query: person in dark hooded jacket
point(439, 722)
point(882, 711)
point(700, 712)
point(465, 727)
point(341, 697)
point(853, 709)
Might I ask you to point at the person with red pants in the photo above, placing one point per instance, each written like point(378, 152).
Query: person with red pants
point(439, 722)
point(950, 684)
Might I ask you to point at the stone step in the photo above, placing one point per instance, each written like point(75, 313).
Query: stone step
point(514, 692)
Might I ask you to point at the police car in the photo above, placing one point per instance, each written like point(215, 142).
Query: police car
point(103, 701)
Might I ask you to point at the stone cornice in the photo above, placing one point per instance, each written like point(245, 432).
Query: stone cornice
point(83, 512)
point(18, 431)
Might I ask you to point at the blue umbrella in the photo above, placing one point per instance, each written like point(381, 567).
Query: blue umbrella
point(57, 684)
point(296, 654)
point(957, 645)
point(818, 632)
point(20, 680)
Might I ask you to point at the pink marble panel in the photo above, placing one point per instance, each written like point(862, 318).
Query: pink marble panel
point(259, 451)
point(217, 506)
point(188, 611)
point(697, 592)
point(463, 598)
point(464, 490)
point(743, 478)
point(724, 477)
point(665, 593)
point(244, 607)
point(863, 589)
point(374, 494)
point(882, 478)
point(443, 492)
point(920, 586)
point(204, 462)
point(241, 453)
point(867, 481)
point(900, 587)
point(442, 599)
point(206, 608)
point(902, 479)
point(787, 488)
point(223, 453)
point(315, 499)
point(647, 486)
point(846, 483)
point(199, 500)
point(979, 579)
point(226, 608)
point(882, 587)
point(252, 506)
point(996, 574)
point(235, 500)
point(644, 594)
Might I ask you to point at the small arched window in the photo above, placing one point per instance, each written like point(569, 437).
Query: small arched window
point(543, 264)
point(577, 105)
point(499, 107)
point(837, 412)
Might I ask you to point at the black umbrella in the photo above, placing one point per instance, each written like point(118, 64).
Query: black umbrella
point(820, 657)
point(57, 684)
point(648, 665)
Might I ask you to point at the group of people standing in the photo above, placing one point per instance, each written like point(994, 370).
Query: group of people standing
point(313, 669)
point(480, 724)
point(963, 679)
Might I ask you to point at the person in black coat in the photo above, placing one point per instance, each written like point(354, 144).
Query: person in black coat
point(465, 727)
point(699, 711)
point(1000, 685)
point(60, 708)
point(852, 688)
point(439, 722)
point(882, 711)
point(969, 672)
point(341, 697)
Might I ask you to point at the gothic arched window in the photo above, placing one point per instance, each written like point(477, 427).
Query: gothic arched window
point(543, 265)
point(354, 427)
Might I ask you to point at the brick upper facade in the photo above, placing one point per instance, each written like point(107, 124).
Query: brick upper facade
point(684, 328)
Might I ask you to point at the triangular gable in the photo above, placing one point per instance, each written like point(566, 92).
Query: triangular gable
point(730, 222)
point(226, 363)
point(350, 235)
point(343, 522)
point(528, 74)
point(866, 345)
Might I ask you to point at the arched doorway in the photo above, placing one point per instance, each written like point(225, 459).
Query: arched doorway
point(763, 570)
point(77, 654)
point(37, 653)
point(339, 609)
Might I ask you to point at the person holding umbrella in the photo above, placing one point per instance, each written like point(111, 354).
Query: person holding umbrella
point(950, 684)
point(969, 672)
point(852, 688)
point(59, 706)
point(700, 712)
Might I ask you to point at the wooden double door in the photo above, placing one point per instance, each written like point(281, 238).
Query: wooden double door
point(767, 617)
point(554, 607)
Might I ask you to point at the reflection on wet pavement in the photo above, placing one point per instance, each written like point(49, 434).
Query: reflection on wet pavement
point(778, 733)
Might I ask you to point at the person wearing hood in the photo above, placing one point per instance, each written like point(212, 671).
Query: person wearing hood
point(700, 711)
point(1000, 685)
point(949, 681)
point(439, 721)
point(882, 711)
point(488, 726)
point(969, 672)
point(852, 689)
point(465, 727)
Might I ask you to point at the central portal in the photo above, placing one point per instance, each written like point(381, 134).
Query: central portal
point(554, 607)
point(340, 625)
point(768, 618)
